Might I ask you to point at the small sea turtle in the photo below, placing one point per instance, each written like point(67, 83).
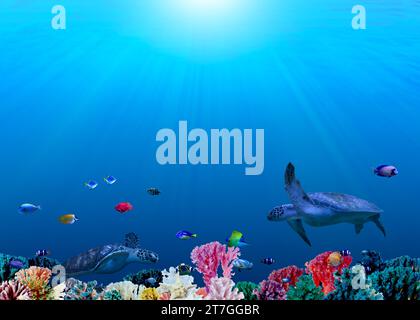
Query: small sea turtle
point(109, 258)
point(320, 209)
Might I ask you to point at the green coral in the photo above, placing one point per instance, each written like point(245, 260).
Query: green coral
point(397, 283)
point(7, 272)
point(305, 289)
point(247, 288)
point(112, 295)
point(344, 289)
point(83, 291)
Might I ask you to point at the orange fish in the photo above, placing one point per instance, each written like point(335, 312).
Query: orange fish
point(68, 219)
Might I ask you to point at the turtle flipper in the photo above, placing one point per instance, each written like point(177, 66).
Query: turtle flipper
point(379, 224)
point(358, 227)
point(297, 226)
point(297, 195)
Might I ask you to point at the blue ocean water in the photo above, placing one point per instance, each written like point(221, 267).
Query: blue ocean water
point(87, 102)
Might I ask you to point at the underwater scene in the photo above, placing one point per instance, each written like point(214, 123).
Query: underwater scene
point(210, 150)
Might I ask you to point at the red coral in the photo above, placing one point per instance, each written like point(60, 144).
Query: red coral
point(291, 273)
point(270, 290)
point(208, 257)
point(323, 272)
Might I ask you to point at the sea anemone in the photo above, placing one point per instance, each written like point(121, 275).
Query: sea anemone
point(36, 279)
point(13, 290)
point(223, 289)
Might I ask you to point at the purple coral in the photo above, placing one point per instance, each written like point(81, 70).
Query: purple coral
point(270, 290)
point(13, 290)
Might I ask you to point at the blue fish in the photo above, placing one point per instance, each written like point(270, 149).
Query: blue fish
point(17, 264)
point(185, 235)
point(110, 180)
point(151, 281)
point(242, 264)
point(28, 208)
point(91, 185)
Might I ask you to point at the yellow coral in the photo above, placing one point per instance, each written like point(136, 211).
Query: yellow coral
point(149, 294)
point(36, 279)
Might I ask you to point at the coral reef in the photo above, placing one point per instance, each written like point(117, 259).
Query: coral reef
point(323, 272)
point(78, 290)
point(305, 289)
point(208, 257)
point(111, 295)
point(43, 262)
point(7, 269)
point(247, 288)
point(37, 280)
point(177, 286)
point(371, 261)
point(127, 289)
point(13, 290)
point(345, 290)
point(291, 273)
point(270, 290)
point(141, 277)
point(223, 289)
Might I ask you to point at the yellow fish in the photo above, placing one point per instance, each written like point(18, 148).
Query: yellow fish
point(335, 259)
point(68, 219)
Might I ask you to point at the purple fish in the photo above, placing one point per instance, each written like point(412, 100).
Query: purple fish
point(17, 264)
point(386, 171)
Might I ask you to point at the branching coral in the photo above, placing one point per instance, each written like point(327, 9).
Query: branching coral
point(179, 287)
point(247, 288)
point(323, 272)
point(372, 261)
point(270, 290)
point(37, 280)
point(111, 295)
point(78, 290)
point(347, 289)
point(142, 277)
point(13, 290)
point(149, 294)
point(291, 273)
point(208, 257)
point(223, 289)
point(305, 289)
point(127, 289)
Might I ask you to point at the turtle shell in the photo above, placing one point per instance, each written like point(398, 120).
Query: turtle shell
point(90, 260)
point(342, 202)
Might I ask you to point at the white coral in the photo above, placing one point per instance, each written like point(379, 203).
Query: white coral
point(222, 289)
point(179, 287)
point(127, 289)
point(58, 292)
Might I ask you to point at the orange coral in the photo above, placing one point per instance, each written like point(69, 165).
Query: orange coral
point(36, 279)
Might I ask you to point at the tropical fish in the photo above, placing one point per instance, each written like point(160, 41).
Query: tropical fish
point(242, 264)
point(335, 259)
point(110, 180)
point(91, 185)
point(28, 208)
point(185, 235)
point(17, 264)
point(151, 281)
point(236, 239)
point(68, 219)
point(123, 207)
point(268, 261)
point(184, 269)
point(386, 171)
point(42, 253)
point(345, 253)
point(153, 191)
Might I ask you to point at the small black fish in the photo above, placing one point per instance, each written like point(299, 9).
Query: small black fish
point(345, 253)
point(42, 253)
point(268, 261)
point(153, 191)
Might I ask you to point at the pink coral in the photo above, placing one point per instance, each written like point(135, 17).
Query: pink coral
point(208, 257)
point(13, 290)
point(323, 272)
point(292, 273)
point(222, 289)
point(165, 296)
point(270, 290)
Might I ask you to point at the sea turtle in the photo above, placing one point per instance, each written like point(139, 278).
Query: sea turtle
point(320, 209)
point(109, 258)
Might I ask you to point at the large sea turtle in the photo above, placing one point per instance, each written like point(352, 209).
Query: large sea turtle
point(320, 209)
point(109, 258)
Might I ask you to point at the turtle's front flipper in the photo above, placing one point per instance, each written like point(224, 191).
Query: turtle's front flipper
point(297, 226)
point(379, 224)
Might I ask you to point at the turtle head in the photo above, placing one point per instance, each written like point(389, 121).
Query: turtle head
point(282, 213)
point(146, 256)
